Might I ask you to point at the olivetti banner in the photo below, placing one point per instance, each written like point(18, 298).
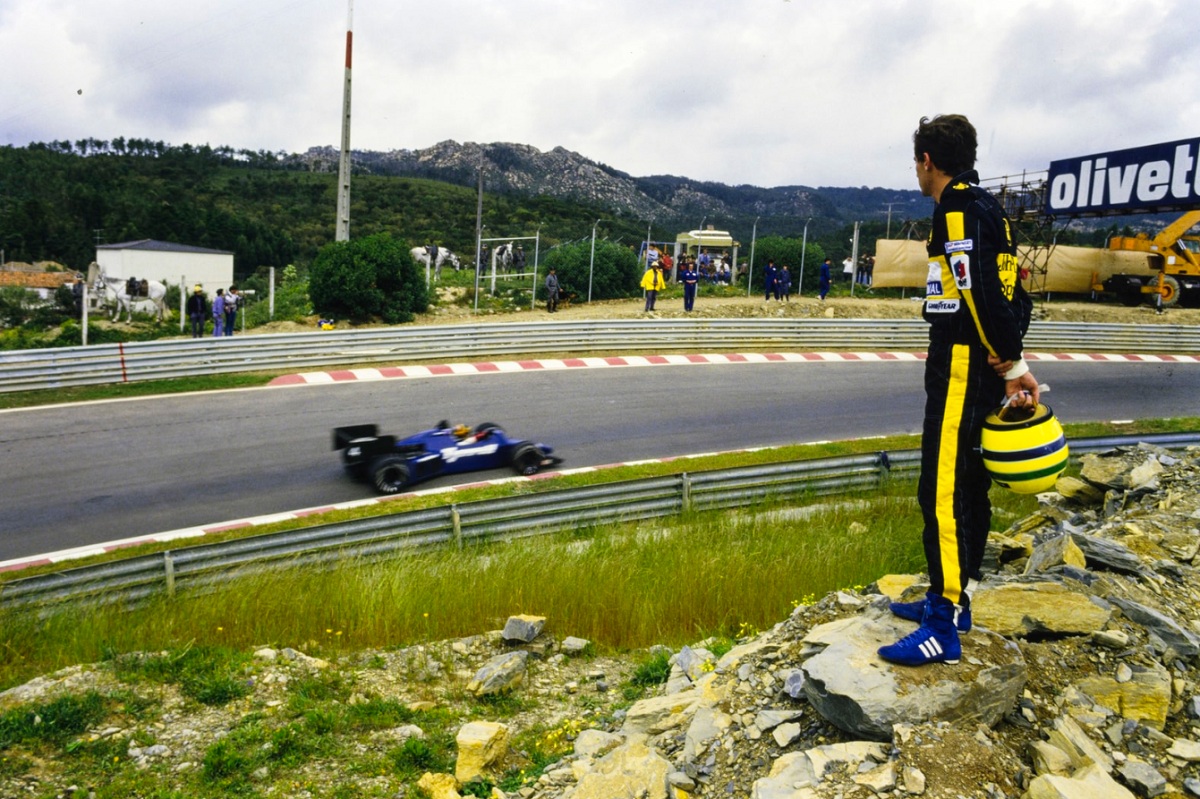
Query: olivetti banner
point(1159, 177)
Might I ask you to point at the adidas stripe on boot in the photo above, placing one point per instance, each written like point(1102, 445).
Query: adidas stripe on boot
point(915, 611)
point(935, 641)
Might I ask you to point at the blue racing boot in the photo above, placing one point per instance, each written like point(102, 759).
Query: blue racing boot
point(935, 641)
point(915, 611)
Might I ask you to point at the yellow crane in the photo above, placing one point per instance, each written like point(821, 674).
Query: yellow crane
point(1174, 255)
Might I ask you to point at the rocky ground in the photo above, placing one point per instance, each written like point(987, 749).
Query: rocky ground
point(1080, 680)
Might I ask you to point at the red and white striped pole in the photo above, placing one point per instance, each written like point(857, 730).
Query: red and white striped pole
point(343, 210)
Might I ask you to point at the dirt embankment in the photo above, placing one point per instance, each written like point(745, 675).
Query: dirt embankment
point(857, 307)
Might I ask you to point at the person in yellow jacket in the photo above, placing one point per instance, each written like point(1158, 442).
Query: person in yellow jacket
point(652, 282)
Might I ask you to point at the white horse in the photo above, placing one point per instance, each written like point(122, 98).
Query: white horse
point(116, 292)
point(421, 256)
point(503, 257)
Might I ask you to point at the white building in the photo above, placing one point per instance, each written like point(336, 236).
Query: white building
point(168, 263)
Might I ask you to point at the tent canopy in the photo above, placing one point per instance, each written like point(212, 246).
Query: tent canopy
point(710, 239)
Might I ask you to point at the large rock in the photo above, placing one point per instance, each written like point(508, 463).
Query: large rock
point(853, 688)
point(1144, 697)
point(795, 775)
point(1090, 782)
point(1057, 551)
point(1120, 468)
point(439, 786)
point(630, 770)
point(1025, 609)
point(501, 673)
point(480, 744)
point(661, 712)
point(523, 629)
point(1185, 643)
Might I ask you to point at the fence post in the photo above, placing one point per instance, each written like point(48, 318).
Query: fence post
point(169, 567)
point(686, 484)
point(885, 469)
point(456, 523)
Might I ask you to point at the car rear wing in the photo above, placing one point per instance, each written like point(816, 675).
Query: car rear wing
point(365, 437)
point(344, 435)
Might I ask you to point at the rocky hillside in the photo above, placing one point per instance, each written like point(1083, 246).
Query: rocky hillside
point(1080, 680)
point(564, 174)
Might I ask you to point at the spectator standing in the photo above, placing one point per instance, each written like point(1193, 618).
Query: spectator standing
point(218, 313)
point(552, 290)
point(769, 280)
point(783, 284)
point(824, 280)
point(848, 269)
point(977, 314)
point(197, 305)
point(652, 282)
point(232, 300)
point(690, 279)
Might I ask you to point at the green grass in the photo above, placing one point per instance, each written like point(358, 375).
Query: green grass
point(663, 582)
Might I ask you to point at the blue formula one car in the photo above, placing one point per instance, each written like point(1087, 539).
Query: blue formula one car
point(391, 464)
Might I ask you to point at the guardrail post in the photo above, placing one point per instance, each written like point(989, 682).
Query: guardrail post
point(685, 480)
point(456, 523)
point(885, 469)
point(169, 567)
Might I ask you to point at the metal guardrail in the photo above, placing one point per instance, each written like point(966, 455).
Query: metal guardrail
point(26, 370)
point(208, 565)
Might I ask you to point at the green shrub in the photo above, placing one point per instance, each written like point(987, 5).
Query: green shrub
point(615, 274)
point(208, 674)
point(53, 722)
point(365, 278)
point(653, 671)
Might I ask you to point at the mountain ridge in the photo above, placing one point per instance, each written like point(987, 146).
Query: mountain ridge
point(564, 174)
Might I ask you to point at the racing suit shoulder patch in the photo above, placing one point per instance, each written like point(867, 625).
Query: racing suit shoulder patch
point(960, 265)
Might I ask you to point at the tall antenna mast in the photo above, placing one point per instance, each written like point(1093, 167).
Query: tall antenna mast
point(343, 209)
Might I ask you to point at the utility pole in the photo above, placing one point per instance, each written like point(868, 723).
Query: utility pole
point(803, 250)
point(854, 258)
point(750, 270)
point(343, 209)
point(889, 222)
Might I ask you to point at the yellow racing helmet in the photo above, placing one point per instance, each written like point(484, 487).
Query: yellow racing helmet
point(1022, 450)
point(461, 430)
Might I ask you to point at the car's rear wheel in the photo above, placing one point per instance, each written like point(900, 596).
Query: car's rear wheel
point(389, 474)
point(484, 427)
point(526, 459)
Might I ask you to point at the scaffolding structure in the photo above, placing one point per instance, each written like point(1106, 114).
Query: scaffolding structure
point(1023, 198)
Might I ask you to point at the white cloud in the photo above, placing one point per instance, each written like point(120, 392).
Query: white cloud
point(768, 92)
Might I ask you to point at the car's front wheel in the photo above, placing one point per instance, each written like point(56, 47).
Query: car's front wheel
point(389, 474)
point(526, 459)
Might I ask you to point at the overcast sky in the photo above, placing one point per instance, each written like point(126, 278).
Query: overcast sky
point(765, 92)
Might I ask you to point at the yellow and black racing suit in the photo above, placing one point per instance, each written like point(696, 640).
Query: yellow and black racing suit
point(975, 306)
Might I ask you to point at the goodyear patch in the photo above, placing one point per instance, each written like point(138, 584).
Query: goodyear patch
point(960, 245)
point(960, 264)
point(941, 306)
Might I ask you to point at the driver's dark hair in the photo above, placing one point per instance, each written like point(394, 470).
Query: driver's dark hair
point(950, 141)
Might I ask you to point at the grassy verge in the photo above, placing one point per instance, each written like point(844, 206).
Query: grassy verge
point(622, 587)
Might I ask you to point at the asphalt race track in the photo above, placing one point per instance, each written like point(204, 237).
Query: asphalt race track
point(84, 474)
